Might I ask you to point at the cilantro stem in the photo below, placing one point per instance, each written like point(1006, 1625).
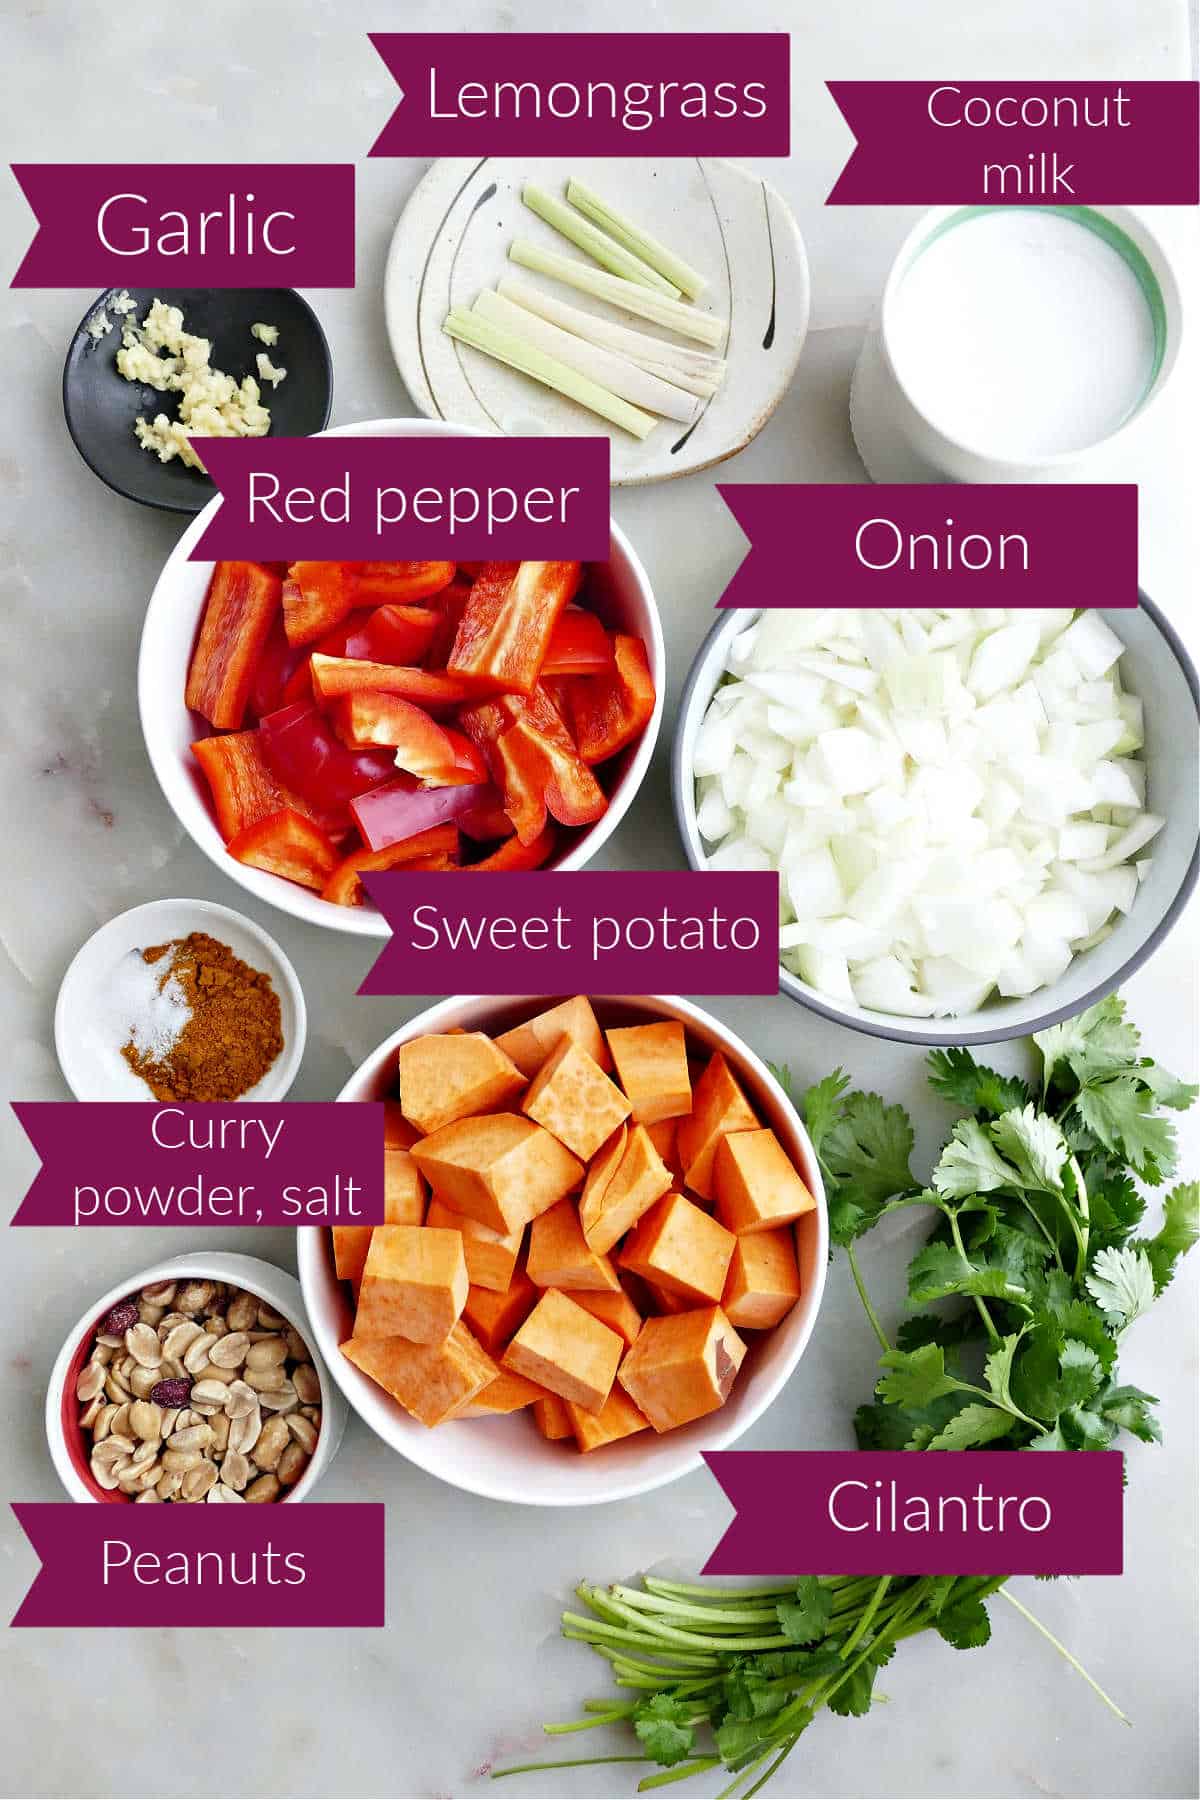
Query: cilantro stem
point(980, 1308)
point(617, 1710)
point(699, 1765)
point(868, 1613)
point(856, 1272)
point(1081, 1200)
point(1066, 1654)
point(763, 1779)
point(574, 1762)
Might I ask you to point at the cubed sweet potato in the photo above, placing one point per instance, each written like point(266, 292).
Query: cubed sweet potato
point(609, 1208)
point(757, 1187)
point(414, 1284)
point(431, 1381)
point(664, 1135)
point(763, 1283)
point(572, 1097)
point(507, 1394)
point(398, 1134)
point(551, 1417)
point(718, 1107)
point(683, 1367)
point(560, 1256)
point(495, 1317)
point(661, 1301)
point(680, 1249)
point(617, 1418)
point(617, 1311)
point(530, 1044)
point(403, 1196)
point(491, 1255)
point(652, 1067)
point(500, 1168)
point(567, 1351)
point(449, 1076)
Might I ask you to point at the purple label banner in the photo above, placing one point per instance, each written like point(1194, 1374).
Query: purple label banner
point(587, 93)
point(609, 931)
point(956, 545)
point(860, 1512)
point(128, 1566)
point(108, 1162)
point(931, 143)
point(217, 225)
point(354, 499)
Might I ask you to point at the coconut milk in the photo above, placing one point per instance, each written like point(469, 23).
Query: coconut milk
point(1023, 332)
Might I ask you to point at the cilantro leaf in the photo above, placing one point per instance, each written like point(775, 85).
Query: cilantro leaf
point(1053, 1372)
point(888, 1427)
point(975, 1425)
point(1034, 1144)
point(738, 1739)
point(1167, 1089)
point(1120, 1112)
point(1083, 1429)
point(805, 1618)
point(821, 1103)
point(1175, 1236)
point(863, 1147)
point(931, 1328)
point(853, 1697)
point(1121, 1282)
point(1129, 1408)
point(965, 1624)
point(971, 1164)
point(1095, 1042)
point(997, 1369)
point(1114, 1204)
point(938, 1271)
point(749, 1695)
point(915, 1377)
point(663, 1725)
point(956, 1076)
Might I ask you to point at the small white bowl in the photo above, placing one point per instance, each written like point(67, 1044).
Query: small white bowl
point(1155, 666)
point(626, 601)
point(281, 1292)
point(90, 1058)
point(506, 1458)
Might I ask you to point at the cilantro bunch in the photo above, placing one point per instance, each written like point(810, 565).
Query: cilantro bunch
point(1036, 1263)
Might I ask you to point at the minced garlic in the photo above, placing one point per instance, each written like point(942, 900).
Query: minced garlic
point(267, 370)
point(266, 334)
point(161, 354)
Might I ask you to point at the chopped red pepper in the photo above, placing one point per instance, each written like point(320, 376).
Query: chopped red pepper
point(391, 814)
point(506, 627)
point(579, 645)
point(302, 751)
point(609, 711)
point(397, 583)
point(333, 676)
point(424, 748)
point(515, 856)
point(534, 762)
point(286, 843)
point(279, 664)
point(424, 848)
point(244, 788)
point(484, 824)
point(243, 599)
point(316, 597)
point(451, 604)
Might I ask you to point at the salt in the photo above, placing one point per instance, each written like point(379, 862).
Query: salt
point(1023, 332)
point(145, 1006)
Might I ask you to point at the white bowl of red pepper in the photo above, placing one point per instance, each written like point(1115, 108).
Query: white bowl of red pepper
point(314, 721)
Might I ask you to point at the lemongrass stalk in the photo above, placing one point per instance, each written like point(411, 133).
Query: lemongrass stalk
point(636, 345)
point(702, 386)
point(643, 303)
point(611, 371)
point(630, 235)
point(518, 353)
point(602, 248)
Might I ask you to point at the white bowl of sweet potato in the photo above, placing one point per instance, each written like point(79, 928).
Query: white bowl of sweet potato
point(604, 1249)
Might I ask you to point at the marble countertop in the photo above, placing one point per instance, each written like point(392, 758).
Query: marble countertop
point(470, 1662)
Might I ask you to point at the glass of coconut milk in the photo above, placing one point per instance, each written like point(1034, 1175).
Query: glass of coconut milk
point(1013, 343)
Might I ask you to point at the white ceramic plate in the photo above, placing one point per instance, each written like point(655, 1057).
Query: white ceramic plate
point(452, 240)
point(90, 1056)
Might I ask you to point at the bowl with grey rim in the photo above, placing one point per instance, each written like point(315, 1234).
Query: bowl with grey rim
point(1155, 666)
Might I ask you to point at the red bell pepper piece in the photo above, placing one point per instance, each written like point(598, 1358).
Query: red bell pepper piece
point(441, 757)
point(506, 627)
point(398, 583)
point(333, 676)
point(433, 848)
point(515, 856)
point(244, 788)
point(389, 634)
point(609, 711)
point(390, 814)
point(316, 597)
point(486, 824)
point(243, 600)
point(303, 753)
point(579, 645)
point(451, 604)
point(286, 843)
point(534, 762)
point(279, 663)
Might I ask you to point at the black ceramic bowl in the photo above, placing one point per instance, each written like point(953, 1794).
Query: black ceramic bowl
point(101, 406)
